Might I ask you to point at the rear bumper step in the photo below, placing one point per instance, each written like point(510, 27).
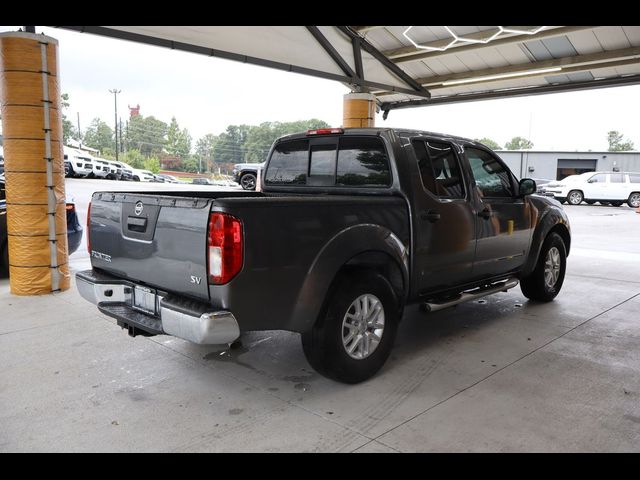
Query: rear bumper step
point(186, 319)
point(471, 295)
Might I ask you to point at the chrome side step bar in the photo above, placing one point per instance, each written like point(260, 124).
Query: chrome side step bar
point(472, 295)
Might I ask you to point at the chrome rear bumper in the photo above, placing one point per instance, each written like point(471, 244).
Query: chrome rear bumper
point(208, 328)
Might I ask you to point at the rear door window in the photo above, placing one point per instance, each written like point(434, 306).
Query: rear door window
point(289, 162)
point(439, 168)
point(617, 178)
point(634, 178)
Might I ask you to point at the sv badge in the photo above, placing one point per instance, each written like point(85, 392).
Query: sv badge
point(196, 280)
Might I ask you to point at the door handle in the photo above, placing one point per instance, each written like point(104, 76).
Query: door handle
point(430, 215)
point(485, 213)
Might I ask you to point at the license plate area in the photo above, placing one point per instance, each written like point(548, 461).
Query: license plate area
point(145, 300)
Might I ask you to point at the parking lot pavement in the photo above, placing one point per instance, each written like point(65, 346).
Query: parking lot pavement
point(500, 374)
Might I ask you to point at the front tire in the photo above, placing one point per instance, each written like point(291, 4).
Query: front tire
point(136, 179)
point(545, 282)
point(575, 197)
point(248, 181)
point(353, 337)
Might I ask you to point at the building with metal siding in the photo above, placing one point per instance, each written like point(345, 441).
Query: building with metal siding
point(557, 165)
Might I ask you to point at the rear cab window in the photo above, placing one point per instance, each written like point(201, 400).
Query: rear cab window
point(332, 161)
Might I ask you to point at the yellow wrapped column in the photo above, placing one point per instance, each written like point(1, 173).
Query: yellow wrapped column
point(34, 165)
point(359, 110)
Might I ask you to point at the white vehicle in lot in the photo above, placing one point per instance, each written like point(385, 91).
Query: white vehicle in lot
point(608, 188)
point(143, 176)
point(76, 164)
point(126, 170)
point(107, 169)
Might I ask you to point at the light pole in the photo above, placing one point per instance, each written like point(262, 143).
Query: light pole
point(115, 131)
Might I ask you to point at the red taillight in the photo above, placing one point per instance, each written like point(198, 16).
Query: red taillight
point(324, 131)
point(224, 249)
point(88, 230)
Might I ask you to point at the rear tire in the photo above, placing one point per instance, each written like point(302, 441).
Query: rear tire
point(136, 179)
point(575, 197)
point(356, 297)
point(545, 282)
point(634, 200)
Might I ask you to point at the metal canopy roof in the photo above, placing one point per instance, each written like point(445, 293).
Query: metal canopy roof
point(420, 65)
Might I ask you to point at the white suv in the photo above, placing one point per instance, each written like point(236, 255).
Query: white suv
point(75, 163)
point(608, 188)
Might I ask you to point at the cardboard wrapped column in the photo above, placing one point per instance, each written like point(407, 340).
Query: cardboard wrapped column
point(34, 167)
point(359, 110)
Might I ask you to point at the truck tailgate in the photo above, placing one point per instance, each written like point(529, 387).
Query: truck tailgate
point(156, 240)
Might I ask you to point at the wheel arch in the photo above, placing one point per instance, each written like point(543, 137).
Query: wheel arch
point(359, 247)
point(554, 220)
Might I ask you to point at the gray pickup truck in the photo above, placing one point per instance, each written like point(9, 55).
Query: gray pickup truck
point(350, 226)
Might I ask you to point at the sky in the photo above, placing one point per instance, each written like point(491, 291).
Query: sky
point(207, 94)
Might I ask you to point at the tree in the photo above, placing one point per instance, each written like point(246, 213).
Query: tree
point(230, 145)
point(261, 137)
point(191, 164)
point(152, 164)
point(519, 143)
point(616, 143)
point(178, 141)
point(68, 131)
point(204, 150)
point(99, 135)
point(146, 134)
point(489, 143)
point(134, 158)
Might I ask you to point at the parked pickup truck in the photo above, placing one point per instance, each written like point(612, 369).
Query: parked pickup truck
point(350, 227)
point(246, 174)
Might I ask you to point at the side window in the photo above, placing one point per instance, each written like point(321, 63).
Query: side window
point(439, 168)
point(617, 178)
point(600, 178)
point(492, 178)
point(363, 162)
point(288, 165)
point(634, 178)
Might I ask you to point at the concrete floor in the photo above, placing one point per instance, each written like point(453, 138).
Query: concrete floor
point(494, 375)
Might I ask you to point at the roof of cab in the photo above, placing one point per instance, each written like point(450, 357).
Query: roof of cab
point(403, 132)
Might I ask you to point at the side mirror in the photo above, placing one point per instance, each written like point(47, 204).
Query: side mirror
point(527, 186)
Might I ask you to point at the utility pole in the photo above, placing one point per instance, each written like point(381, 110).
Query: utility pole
point(115, 101)
point(121, 142)
point(79, 134)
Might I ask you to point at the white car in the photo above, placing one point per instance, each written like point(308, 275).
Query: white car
point(608, 188)
point(76, 164)
point(143, 176)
